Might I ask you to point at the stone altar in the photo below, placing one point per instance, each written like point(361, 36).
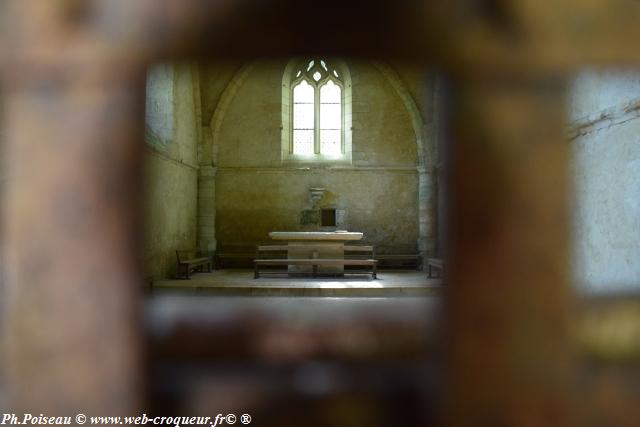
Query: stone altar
point(320, 244)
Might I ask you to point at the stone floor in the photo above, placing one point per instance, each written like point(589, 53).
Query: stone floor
point(239, 282)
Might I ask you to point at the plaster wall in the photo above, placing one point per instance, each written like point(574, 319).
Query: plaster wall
point(595, 91)
point(171, 172)
point(605, 107)
point(159, 106)
point(256, 194)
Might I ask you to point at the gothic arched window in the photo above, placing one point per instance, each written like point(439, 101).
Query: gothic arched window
point(316, 107)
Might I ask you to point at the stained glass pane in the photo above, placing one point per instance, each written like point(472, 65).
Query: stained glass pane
point(330, 142)
point(303, 116)
point(303, 141)
point(330, 116)
point(303, 93)
point(330, 93)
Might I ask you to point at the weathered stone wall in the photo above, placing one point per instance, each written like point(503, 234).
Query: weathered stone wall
point(381, 204)
point(171, 171)
point(255, 193)
point(215, 76)
point(419, 86)
point(419, 83)
point(605, 133)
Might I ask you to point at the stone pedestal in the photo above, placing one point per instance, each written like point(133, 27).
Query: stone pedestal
point(322, 250)
point(323, 245)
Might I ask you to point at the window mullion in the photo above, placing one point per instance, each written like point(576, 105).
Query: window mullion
point(316, 118)
point(342, 118)
point(291, 117)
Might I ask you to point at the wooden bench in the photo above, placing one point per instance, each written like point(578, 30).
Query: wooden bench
point(277, 255)
point(234, 260)
point(188, 260)
point(436, 263)
point(414, 260)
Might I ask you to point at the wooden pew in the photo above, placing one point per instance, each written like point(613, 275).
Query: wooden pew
point(400, 259)
point(435, 263)
point(277, 255)
point(188, 260)
point(234, 260)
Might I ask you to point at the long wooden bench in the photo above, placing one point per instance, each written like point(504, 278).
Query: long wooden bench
point(401, 260)
point(188, 260)
point(277, 255)
point(435, 263)
point(233, 260)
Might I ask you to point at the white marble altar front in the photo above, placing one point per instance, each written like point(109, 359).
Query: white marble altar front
point(318, 244)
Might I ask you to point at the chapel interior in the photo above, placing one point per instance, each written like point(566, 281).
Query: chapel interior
point(238, 150)
point(222, 168)
point(222, 174)
point(409, 213)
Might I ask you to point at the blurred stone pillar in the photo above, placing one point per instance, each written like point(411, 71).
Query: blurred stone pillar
point(427, 193)
point(440, 148)
point(207, 209)
point(509, 302)
point(426, 213)
point(74, 136)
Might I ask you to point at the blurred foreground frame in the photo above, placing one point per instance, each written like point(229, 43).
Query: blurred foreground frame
point(73, 87)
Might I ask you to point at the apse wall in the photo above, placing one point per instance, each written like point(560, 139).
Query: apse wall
point(605, 134)
point(256, 193)
point(171, 166)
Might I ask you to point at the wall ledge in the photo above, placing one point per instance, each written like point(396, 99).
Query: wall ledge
point(304, 169)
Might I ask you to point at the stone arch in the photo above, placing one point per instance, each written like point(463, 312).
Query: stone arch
point(208, 161)
point(227, 96)
point(426, 186)
point(387, 72)
point(427, 226)
point(410, 106)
